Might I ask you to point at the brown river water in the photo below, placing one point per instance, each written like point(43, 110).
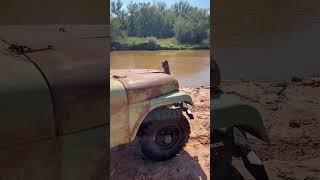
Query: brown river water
point(36, 12)
point(267, 39)
point(190, 67)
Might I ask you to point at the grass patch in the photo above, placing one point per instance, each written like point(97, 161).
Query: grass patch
point(152, 43)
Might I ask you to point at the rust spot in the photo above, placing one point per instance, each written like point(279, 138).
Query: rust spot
point(144, 110)
point(144, 84)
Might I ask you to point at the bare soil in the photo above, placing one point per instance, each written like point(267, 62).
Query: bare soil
point(291, 112)
point(128, 162)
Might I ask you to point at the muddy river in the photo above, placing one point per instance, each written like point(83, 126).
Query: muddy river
point(35, 12)
point(190, 67)
point(267, 39)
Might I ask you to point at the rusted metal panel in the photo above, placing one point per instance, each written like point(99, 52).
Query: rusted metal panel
point(144, 84)
point(119, 115)
point(26, 110)
point(75, 68)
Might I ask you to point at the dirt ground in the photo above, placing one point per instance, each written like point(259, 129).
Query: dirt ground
point(128, 162)
point(291, 112)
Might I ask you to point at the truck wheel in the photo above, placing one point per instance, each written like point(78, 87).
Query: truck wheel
point(165, 132)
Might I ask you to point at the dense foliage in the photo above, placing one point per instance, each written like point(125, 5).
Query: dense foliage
point(183, 22)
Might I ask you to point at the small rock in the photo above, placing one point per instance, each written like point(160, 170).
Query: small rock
point(315, 75)
point(312, 83)
point(296, 79)
point(284, 175)
point(205, 154)
point(281, 84)
point(316, 84)
point(62, 29)
point(274, 108)
point(244, 80)
point(309, 178)
point(294, 124)
point(269, 102)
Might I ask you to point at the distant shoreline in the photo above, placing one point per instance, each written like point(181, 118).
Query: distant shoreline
point(157, 49)
point(136, 44)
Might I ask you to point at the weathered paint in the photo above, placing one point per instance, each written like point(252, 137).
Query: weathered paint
point(26, 110)
point(133, 94)
point(119, 114)
point(227, 111)
point(144, 84)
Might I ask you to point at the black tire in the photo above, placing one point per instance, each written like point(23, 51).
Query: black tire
point(164, 133)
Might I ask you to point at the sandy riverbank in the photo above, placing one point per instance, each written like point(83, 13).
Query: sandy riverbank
point(291, 112)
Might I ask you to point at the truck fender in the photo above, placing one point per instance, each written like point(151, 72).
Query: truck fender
point(139, 111)
point(228, 111)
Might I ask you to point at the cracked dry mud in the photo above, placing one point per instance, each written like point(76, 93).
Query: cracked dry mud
point(291, 112)
point(127, 161)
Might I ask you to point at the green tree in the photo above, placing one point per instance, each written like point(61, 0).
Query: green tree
point(182, 8)
point(191, 24)
point(186, 23)
point(116, 9)
point(146, 19)
point(116, 33)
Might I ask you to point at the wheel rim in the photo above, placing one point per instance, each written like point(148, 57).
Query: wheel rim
point(167, 137)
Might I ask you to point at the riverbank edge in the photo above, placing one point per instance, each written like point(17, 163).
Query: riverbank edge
point(166, 49)
point(156, 49)
point(135, 44)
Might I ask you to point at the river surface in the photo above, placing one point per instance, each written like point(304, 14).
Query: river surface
point(267, 39)
point(190, 67)
point(35, 12)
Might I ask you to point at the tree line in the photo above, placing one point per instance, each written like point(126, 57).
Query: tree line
point(184, 22)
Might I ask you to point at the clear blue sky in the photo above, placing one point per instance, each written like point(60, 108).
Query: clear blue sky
point(199, 3)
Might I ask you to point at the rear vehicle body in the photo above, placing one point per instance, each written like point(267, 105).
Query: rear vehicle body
point(231, 122)
point(53, 103)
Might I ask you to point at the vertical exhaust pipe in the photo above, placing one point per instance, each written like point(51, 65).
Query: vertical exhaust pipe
point(165, 65)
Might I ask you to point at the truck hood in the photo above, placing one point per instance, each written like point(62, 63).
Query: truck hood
point(26, 111)
point(75, 69)
point(144, 84)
